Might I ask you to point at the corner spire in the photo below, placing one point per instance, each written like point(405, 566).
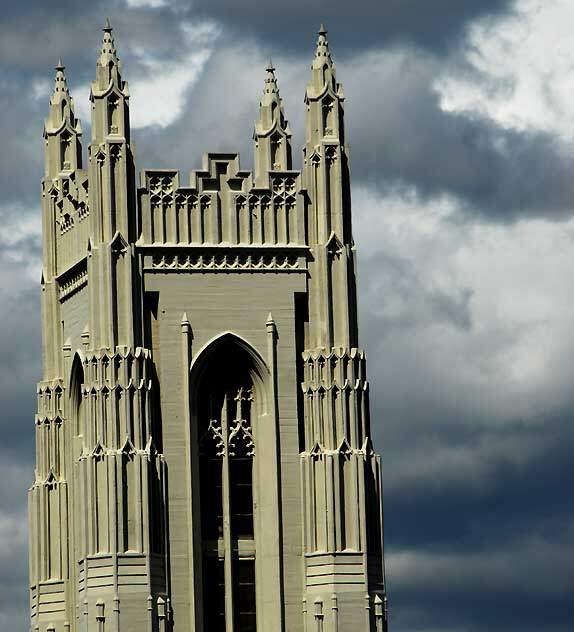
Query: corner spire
point(60, 91)
point(109, 92)
point(322, 53)
point(108, 52)
point(271, 81)
point(61, 103)
point(272, 132)
point(62, 130)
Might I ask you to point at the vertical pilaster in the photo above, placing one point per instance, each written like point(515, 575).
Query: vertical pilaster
point(343, 559)
point(193, 505)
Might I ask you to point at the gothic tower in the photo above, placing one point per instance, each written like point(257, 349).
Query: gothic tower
point(203, 452)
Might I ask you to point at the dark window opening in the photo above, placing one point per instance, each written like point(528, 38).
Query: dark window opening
point(245, 591)
point(225, 409)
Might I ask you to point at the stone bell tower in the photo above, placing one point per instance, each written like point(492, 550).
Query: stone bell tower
point(203, 452)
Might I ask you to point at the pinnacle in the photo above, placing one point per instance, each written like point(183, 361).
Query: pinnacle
point(322, 50)
point(108, 47)
point(60, 84)
point(271, 80)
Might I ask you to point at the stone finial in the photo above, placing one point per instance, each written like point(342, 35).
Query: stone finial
point(108, 52)
point(322, 52)
point(185, 324)
point(271, 86)
point(272, 132)
point(60, 84)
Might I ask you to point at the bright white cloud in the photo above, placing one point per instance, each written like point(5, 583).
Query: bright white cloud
point(41, 89)
point(19, 224)
point(520, 69)
point(150, 4)
point(159, 87)
point(474, 320)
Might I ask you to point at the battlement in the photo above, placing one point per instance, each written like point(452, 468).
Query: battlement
point(221, 206)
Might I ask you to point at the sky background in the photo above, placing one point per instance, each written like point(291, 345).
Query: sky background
point(460, 123)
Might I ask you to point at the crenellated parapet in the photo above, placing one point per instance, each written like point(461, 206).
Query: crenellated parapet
point(220, 206)
point(66, 201)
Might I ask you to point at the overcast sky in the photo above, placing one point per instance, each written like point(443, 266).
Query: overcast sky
point(460, 121)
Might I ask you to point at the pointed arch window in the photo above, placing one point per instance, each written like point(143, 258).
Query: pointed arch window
point(77, 396)
point(113, 114)
point(66, 150)
point(227, 408)
point(276, 142)
point(328, 116)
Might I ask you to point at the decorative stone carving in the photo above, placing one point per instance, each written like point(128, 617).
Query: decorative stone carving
point(161, 356)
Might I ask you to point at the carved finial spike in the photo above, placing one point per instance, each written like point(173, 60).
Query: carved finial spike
point(322, 53)
point(60, 84)
point(185, 324)
point(108, 51)
point(270, 66)
point(270, 320)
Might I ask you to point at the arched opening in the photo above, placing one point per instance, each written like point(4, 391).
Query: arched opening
point(76, 396)
point(230, 398)
point(328, 116)
point(113, 114)
point(66, 151)
point(276, 152)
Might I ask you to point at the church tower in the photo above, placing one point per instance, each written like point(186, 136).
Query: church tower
point(203, 451)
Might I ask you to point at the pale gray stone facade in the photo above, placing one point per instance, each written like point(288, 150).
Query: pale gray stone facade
point(203, 457)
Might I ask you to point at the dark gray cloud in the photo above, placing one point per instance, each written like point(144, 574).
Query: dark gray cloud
point(400, 136)
point(352, 25)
